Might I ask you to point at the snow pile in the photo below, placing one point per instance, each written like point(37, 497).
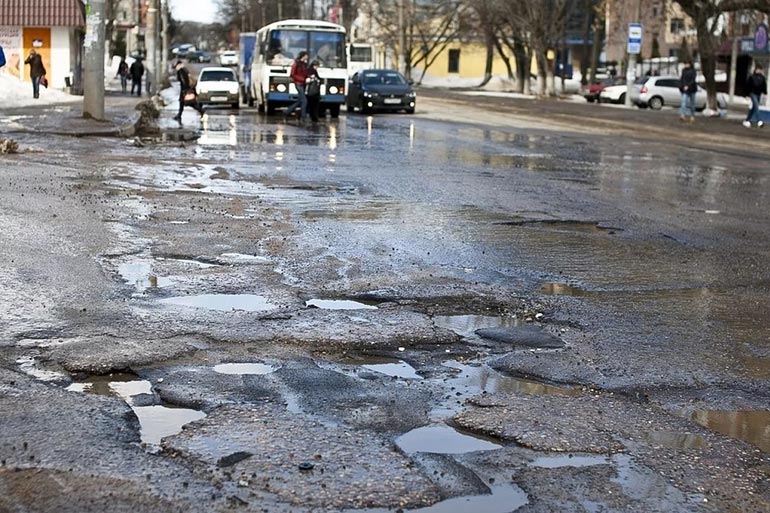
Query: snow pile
point(15, 93)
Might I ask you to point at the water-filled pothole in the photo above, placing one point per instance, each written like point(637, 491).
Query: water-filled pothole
point(338, 304)
point(244, 368)
point(156, 421)
point(396, 369)
point(676, 440)
point(561, 289)
point(501, 499)
point(223, 302)
point(28, 365)
point(140, 275)
point(240, 258)
point(569, 460)
point(750, 426)
point(442, 439)
point(466, 325)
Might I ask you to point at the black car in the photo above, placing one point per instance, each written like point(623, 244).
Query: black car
point(380, 89)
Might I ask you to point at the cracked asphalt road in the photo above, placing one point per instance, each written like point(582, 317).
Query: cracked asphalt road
point(136, 270)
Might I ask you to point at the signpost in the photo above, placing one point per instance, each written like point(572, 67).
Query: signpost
point(634, 49)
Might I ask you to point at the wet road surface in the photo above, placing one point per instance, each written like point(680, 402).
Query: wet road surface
point(306, 300)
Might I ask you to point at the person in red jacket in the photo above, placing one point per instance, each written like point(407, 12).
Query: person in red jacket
point(299, 75)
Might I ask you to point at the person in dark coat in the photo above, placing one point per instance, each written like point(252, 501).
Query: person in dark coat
point(757, 86)
point(36, 71)
point(313, 91)
point(688, 86)
point(123, 73)
point(185, 86)
point(299, 74)
point(136, 71)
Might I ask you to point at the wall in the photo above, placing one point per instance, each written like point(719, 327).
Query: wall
point(60, 56)
point(11, 41)
point(473, 58)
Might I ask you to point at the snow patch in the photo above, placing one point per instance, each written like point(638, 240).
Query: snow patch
point(16, 93)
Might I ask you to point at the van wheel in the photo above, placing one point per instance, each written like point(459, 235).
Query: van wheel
point(269, 109)
point(350, 108)
point(655, 103)
point(334, 110)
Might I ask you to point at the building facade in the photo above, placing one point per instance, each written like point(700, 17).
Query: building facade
point(54, 28)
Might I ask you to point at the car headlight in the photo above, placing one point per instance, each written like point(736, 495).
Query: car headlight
point(202, 90)
point(367, 94)
point(411, 94)
point(333, 90)
point(281, 88)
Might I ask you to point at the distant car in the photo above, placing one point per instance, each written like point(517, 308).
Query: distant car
point(656, 92)
point(592, 91)
point(228, 58)
point(198, 56)
point(380, 89)
point(218, 86)
point(617, 93)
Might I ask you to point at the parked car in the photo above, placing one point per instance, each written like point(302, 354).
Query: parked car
point(592, 91)
point(617, 93)
point(218, 86)
point(380, 89)
point(655, 92)
point(228, 58)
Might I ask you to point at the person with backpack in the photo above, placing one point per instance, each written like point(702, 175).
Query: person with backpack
point(123, 73)
point(36, 71)
point(313, 91)
point(186, 89)
point(757, 86)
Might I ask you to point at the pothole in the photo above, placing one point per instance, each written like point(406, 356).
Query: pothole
point(396, 369)
point(29, 365)
point(501, 499)
point(241, 258)
point(751, 426)
point(156, 421)
point(561, 289)
point(223, 302)
point(674, 440)
point(466, 325)
point(140, 275)
point(442, 439)
point(569, 460)
point(244, 368)
point(338, 304)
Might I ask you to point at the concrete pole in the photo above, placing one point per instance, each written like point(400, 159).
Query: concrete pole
point(93, 60)
point(150, 43)
point(164, 43)
point(631, 71)
point(733, 57)
point(401, 38)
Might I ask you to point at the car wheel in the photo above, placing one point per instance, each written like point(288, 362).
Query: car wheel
point(655, 103)
point(589, 100)
point(622, 98)
point(410, 111)
point(269, 109)
point(235, 105)
point(334, 110)
point(349, 107)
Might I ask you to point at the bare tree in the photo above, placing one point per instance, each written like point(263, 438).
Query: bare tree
point(707, 17)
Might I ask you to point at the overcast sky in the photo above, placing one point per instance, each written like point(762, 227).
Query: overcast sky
point(203, 11)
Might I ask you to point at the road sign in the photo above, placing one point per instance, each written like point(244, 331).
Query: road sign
point(635, 38)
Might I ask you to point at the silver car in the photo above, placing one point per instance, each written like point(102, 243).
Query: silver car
point(656, 92)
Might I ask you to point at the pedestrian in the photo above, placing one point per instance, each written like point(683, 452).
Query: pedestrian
point(185, 88)
point(313, 91)
point(123, 74)
point(36, 71)
point(757, 86)
point(688, 87)
point(299, 74)
point(136, 71)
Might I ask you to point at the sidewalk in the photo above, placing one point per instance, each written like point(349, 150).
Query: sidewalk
point(67, 118)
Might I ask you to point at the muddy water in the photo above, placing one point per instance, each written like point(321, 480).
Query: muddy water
point(223, 302)
point(442, 439)
point(750, 426)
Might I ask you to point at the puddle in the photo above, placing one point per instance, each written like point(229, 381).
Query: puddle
point(750, 426)
point(561, 289)
point(466, 325)
point(570, 226)
point(338, 304)
point(568, 460)
point(189, 261)
point(502, 499)
point(240, 258)
point(676, 440)
point(28, 365)
point(223, 302)
point(442, 439)
point(244, 368)
point(476, 379)
point(140, 275)
point(399, 369)
point(156, 422)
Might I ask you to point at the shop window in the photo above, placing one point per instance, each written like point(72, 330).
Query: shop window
point(454, 61)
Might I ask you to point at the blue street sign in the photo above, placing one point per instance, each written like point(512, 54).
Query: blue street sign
point(634, 38)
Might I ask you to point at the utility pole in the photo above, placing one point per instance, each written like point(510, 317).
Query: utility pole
point(733, 55)
point(401, 38)
point(164, 42)
point(150, 41)
point(93, 60)
point(631, 71)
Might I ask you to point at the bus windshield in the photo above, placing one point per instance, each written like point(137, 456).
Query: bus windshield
point(328, 48)
point(360, 53)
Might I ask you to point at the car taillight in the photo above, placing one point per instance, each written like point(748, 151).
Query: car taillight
point(644, 89)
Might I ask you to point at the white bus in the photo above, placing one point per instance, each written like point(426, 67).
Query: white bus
point(360, 56)
point(278, 44)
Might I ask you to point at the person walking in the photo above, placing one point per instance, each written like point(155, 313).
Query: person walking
point(688, 87)
point(185, 87)
point(757, 86)
point(123, 74)
point(136, 71)
point(313, 91)
point(299, 74)
point(36, 71)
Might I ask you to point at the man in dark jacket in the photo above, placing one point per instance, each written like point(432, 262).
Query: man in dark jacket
point(136, 71)
point(185, 86)
point(757, 86)
point(688, 86)
point(36, 71)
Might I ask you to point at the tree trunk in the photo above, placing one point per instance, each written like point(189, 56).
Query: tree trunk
point(490, 47)
point(505, 58)
point(522, 66)
point(707, 51)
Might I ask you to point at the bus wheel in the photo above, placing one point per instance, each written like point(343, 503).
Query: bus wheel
point(269, 109)
point(334, 110)
point(260, 107)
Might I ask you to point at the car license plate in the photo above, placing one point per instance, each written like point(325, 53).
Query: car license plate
point(219, 98)
point(392, 101)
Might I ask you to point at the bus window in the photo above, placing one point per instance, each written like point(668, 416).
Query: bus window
point(360, 53)
point(328, 48)
point(285, 45)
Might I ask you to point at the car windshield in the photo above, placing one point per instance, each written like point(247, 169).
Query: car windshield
point(383, 78)
point(217, 76)
point(328, 48)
